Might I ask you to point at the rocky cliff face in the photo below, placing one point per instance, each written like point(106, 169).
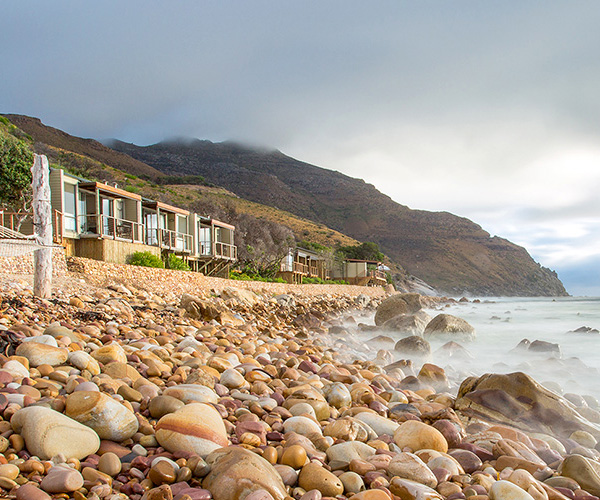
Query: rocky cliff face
point(451, 253)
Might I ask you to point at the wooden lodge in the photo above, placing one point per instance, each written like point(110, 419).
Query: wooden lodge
point(361, 272)
point(301, 263)
point(102, 222)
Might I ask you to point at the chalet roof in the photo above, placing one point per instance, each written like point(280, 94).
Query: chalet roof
point(363, 260)
point(164, 207)
point(222, 224)
point(110, 190)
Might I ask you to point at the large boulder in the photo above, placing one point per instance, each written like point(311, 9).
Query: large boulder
point(517, 400)
point(205, 310)
point(235, 473)
point(195, 428)
point(400, 303)
point(583, 470)
point(247, 297)
point(47, 433)
point(410, 324)
point(110, 419)
point(413, 346)
point(446, 324)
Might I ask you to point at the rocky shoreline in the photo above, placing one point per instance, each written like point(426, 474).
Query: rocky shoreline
point(152, 387)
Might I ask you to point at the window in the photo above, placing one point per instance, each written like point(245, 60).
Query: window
point(120, 209)
point(107, 214)
point(70, 213)
point(204, 240)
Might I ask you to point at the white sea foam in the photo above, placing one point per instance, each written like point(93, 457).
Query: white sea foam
point(501, 324)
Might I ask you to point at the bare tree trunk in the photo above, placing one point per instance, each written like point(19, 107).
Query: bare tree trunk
point(42, 223)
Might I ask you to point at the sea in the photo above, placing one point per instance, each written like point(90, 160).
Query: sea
point(572, 365)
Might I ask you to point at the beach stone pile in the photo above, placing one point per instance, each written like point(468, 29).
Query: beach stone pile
point(124, 393)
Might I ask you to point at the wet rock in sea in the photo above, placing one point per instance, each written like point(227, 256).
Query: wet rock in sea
point(520, 402)
point(453, 351)
point(47, 433)
point(110, 419)
point(448, 325)
point(544, 347)
point(401, 303)
point(435, 376)
point(410, 324)
point(196, 428)
point(413, 346)
point(235, 473)
point(585, 330)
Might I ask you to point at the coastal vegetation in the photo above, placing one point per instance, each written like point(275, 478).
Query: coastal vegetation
point(146, 259)
point(16, 159)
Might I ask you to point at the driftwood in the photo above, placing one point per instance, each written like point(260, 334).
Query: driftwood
point(42, 222)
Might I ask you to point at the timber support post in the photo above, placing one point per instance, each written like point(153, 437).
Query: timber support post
point(42, 223)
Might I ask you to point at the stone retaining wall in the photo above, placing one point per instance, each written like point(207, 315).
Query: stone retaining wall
point(160, 280)
point(23, 264)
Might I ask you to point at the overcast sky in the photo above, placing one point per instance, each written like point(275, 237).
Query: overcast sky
point(489, 110)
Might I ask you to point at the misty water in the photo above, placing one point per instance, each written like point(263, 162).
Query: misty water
point(501, 324)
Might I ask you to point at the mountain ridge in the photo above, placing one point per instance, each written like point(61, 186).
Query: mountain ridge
point(451, 253)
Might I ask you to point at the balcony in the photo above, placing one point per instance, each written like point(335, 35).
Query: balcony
point(23, 222)
point(225, 251)
point(169, 240)
point(106, 226)
point(300, 268)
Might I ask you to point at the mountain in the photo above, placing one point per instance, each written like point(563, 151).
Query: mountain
point(451, 253)
point(43, 134)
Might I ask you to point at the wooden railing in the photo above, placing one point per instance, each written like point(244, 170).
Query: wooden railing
point(16, 221)
point(225, 250)
point(174, 240)
point(111, 227)
point(378, 274)
point(300, 268)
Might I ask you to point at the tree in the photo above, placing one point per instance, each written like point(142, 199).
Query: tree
point(365, 251)
point(261, 243)
point(16, 159)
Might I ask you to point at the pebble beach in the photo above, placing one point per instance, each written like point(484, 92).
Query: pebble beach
point(147, 384)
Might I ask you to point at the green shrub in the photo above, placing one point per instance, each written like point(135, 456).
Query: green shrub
point(146, 259)
point(318, 281)
point(132, 189)
point(177, 263)
point(234, 274)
